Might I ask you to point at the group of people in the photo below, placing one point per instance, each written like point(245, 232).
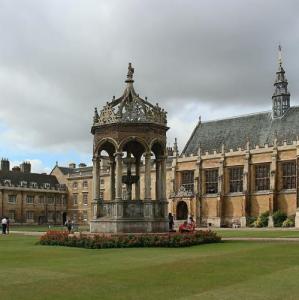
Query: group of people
point(5, 225)
point(187, 226)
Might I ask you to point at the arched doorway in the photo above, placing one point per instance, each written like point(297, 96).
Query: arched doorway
point(63, 218)
point(182, 211)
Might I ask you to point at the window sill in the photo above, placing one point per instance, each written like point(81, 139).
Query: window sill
point(289, 191)
point(210, 195)
point(265, 192)
point(235, 194)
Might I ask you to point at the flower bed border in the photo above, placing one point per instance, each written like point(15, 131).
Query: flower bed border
point(102, 241)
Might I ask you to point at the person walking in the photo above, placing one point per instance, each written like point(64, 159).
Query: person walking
point(171, 222)
point(68, 225)
point(4, 225)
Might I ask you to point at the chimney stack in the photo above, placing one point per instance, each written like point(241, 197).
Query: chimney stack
point(72, 165)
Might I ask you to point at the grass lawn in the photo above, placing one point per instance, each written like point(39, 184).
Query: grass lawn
point(258, 233)
point(230, 270)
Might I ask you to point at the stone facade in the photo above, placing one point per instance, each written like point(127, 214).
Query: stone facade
point(30, 198)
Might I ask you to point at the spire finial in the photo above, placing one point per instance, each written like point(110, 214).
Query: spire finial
point(130, 73)
point(279, 54)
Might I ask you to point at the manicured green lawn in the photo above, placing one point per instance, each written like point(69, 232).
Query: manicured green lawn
point(41, 228)
point(230, 270)
point(258, 233)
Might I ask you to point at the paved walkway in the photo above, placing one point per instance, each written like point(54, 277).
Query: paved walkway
point(261, 239)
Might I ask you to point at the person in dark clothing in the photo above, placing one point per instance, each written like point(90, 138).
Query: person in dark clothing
point(69, 225)
point(4, 225)
point(171, 222)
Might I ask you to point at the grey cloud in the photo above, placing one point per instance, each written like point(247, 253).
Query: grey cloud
point(59, 59)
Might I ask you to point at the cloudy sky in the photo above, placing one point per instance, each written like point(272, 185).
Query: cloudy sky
point(59, 59)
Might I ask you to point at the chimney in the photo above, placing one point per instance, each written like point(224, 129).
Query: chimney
point(72, 165)
point(82, 165)
point(16, 169)
point(4, 164)
point(25, 167)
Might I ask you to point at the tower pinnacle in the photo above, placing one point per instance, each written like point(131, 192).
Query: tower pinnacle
point(281, 95)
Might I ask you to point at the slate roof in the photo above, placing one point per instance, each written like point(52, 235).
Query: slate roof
point(259, 128)
point(16, 177)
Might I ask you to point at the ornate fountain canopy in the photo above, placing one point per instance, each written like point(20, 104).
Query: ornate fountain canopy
point(130, 108)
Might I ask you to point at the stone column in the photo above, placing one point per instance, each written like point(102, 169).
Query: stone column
point(147, 177)
point(163, 179)
point(118, 178)
point(246, 189)
point(137, 173)
point(273, 186)
point(220, 192)
point(112, 178)
point(96, 185)
point(158, 179)
point(198, 189)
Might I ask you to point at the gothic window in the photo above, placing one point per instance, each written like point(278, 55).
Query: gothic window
point(289, 175)
point(85, 198)
point(211, 181)
point(188, 180)
point(236, 179)
point(262, 177)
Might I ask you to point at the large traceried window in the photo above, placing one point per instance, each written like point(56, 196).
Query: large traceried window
point(262, 177)
point(211, 181)
point(236, 179)
point(188, 180)
point(289, 175)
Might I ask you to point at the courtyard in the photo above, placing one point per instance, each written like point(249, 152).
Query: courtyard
point(229, 270)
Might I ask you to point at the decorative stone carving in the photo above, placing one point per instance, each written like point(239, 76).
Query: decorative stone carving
point(130, 108)
point(182, 192)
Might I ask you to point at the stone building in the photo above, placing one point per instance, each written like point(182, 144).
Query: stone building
point(31, 198)
point(229, 170)
point(238, 167)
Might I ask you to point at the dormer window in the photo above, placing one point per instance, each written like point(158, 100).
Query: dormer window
point(7, 182)
point(47, 185)
point(23, 183)
point(33, 184)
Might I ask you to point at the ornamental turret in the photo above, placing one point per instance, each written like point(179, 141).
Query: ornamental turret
point(281, 96)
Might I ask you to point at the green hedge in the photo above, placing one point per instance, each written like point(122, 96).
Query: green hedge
point(97, 241)
point(279, 217)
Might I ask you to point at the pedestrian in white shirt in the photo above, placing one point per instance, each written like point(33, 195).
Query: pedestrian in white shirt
point(4, 225)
